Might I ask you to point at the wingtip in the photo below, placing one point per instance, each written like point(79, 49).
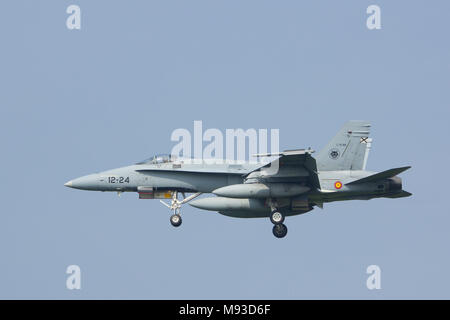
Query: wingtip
point(407, 168)
point(403, 169)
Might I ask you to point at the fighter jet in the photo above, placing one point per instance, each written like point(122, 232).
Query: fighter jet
point(293, 182)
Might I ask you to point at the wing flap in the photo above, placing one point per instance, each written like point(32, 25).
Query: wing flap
point(300, 160)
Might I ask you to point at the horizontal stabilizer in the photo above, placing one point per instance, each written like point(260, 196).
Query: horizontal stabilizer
point(401, 194)
point(380, 175)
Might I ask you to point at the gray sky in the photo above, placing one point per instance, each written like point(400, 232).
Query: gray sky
point(73, 102)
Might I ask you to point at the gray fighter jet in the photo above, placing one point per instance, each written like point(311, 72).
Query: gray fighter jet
point(292, 183)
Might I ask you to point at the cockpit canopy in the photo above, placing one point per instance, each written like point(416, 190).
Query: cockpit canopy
point(159, 158)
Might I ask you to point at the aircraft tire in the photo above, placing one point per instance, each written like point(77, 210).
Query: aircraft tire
point(276, 217)
point(176, 220)
point(279, 230)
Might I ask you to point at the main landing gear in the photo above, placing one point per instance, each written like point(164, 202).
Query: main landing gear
point(279, 230)
point(175, 206)
point(277, 218)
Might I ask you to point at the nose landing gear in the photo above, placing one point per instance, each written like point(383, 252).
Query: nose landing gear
point(176, 220)
point(175, 207)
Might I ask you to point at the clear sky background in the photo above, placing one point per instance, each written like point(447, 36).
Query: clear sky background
point(73, 102)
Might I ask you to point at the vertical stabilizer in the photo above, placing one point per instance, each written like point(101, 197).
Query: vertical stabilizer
point(348, 150)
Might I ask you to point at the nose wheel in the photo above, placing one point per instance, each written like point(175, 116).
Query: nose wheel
point(176, 220)
point(175, 207)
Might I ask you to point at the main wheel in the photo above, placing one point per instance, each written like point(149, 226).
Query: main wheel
point(175, 220)
point(276, 217)
point(279, 230)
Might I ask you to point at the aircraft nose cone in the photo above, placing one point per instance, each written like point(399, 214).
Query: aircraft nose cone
point(68, 184)
point(89, 182)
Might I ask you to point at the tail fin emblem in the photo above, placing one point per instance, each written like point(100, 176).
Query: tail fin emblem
point(334, 154)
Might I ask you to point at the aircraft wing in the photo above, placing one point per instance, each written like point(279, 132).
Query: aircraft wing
point(295, 162)
point(225, 170)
